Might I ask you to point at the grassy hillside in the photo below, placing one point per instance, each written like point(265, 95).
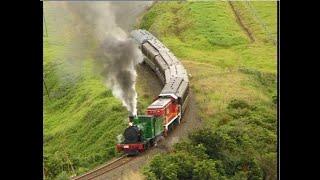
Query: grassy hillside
point(82, 119)
point(234, 82)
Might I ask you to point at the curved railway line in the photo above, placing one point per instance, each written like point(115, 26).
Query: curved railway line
point(173, 78)
point(104, 168)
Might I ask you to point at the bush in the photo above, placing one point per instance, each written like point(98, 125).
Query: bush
point(198, 151)
point(205, 170)
point(238, 104)
point(173, 166)
point(212, 142)
point(267, 80)
point(231, 151)
point(222, 154)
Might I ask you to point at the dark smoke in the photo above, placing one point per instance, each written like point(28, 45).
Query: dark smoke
point(116, 55)
point(118, 59)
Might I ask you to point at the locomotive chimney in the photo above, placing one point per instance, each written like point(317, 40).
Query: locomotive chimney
point(131, 118)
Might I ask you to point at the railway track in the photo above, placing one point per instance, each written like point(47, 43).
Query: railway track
point(175, 81)
point(104, 168)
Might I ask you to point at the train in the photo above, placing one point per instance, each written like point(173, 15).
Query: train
point(167, 110)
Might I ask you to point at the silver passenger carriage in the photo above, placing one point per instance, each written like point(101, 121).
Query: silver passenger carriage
point(168, 68)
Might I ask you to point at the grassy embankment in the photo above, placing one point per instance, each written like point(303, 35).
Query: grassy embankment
point(234, 82)
point(81, 117)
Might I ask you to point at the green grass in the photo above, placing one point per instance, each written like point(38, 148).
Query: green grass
point(260, 18)
point(216, 65)
point(82, 119)
point(225, 66)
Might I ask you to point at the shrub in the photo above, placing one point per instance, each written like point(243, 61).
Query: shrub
point(212, 142)
point(238, 104)
point(198, 150)
point(267, 80)
point(205, 170)
point(173, 166)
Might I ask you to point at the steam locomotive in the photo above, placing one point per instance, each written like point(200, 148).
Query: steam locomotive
point(169, 107)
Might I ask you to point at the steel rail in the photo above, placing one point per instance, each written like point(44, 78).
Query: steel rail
point(104, 168)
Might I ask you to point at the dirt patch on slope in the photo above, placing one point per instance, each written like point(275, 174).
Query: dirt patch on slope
point(240, 22)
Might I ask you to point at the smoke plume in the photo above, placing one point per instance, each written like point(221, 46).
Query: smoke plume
point(118, 59)
point(116, 54)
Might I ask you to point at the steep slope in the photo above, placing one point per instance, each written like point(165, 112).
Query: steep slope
point(82, 118)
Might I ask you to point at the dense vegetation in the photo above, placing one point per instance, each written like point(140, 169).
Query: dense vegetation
point(240, 147)
point(234, 83)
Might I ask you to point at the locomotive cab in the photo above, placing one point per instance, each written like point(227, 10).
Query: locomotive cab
point(140, 134)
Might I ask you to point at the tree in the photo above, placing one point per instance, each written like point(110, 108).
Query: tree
point(212, 142)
